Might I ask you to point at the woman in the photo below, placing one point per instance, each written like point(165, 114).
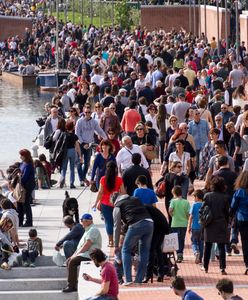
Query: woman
point(217, 230)
point(98, 112)
point(161, 124)
point(109, 184)
point(114, 141)
point(244, 126)
point(41, 176)
point(28, 182)
point(239, 97)
point(101, 160)
point(173, 121)
point(184, 158)
point(5, 225)
point(73, 116)
point(204, 112)
point(71, 147)
point(56, 150)
point(172, 178)
point(239, 207)
point(189, 115)
point(152, 116)
point(178, 62)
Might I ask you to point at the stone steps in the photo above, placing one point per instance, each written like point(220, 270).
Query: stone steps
point(37, 295)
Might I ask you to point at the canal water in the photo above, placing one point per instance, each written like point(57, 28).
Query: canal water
point(19, 108)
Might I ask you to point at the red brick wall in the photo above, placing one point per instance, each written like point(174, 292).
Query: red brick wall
point(169, 17)
point(12, 26)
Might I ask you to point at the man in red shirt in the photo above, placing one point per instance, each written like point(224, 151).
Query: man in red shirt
point(109, 281)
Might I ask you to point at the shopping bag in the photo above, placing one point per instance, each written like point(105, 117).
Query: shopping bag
point(58, 258)
point(170, 243)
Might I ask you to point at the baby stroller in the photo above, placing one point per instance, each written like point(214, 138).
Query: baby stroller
point(170, 246)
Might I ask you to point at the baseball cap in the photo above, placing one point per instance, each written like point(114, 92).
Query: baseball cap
point(86, 217)
point(181, 95)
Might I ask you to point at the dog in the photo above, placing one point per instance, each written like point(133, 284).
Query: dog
point(70, 207)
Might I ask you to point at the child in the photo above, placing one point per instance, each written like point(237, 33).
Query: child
point(195, 228)
point(33, 250)
point(179, 211)
point(145, 195)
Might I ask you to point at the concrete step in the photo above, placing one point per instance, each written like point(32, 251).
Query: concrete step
point(32, 284)
point(40, 260)
point(37, 295)
point(37, 272)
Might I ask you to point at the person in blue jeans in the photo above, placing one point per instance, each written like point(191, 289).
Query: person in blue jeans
point(179, 211)
point(195, 228)
point(140, 230)
point(179, 288)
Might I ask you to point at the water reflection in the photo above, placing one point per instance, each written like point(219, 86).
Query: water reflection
point(19, 108)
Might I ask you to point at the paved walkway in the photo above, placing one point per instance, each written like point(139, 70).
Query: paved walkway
point(48, 221)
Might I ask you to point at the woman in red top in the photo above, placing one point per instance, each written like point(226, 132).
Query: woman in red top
point(109, 184)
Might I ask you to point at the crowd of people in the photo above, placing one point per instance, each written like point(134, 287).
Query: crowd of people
point(133, 98)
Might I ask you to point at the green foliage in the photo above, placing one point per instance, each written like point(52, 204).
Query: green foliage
point(123, 14)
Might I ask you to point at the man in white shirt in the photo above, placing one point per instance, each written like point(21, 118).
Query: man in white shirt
point(124, 156)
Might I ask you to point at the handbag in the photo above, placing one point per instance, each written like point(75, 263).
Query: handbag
point(149, 151)
point(19, 192)
point(170, 243)
point(93, 188)
point(160, 188)
point(205, 215)
point(49, 141)
point(58, 258)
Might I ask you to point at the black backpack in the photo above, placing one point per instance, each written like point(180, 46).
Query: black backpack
point(205, 216)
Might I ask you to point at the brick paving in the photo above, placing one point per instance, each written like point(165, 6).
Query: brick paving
point(203, 284)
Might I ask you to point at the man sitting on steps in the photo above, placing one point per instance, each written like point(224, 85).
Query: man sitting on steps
point(90, 240)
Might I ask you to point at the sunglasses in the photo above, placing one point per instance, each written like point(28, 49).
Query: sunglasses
point(111, 133)
point(217, 120)
point(179, 167)
point(87, 112)
point(173, 120)
point(113, 108)
point(138, 129)
point(223, 107)
point(97, 106)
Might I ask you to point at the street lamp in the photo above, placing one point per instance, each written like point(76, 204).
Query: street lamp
point(237, 29)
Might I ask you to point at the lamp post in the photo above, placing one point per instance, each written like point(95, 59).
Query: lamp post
point(218, 29)
point(190, 17)
point(205, 19)
point(194, 12)
point(226, 21)
point(237, 29)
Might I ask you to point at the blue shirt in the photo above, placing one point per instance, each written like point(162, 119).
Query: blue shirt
point(190, 295)
point(194, 211)
point(146, 196)
point(240, 204)
point(199, 131)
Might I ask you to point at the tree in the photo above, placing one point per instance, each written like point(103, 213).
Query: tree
point(123, 14)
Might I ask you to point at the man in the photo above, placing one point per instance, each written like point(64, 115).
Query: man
point(179, 108)
point(199, 129)
point(85, 129)
point(108, 99)
point(224, 134)
point(220, 149)
point(228, 175)
point(225, 113)
point(190, 74)
point(109, 281)
point(51, 123)
point(140, 229)
point(90, 240)
point(131, 174)
point(124, 156)
point(234, 146)
point(236, 77)
point(140, 83)
point(65, 100)
point(225, 288)
point(109, 120)
point(179, 288)
point(70, 241)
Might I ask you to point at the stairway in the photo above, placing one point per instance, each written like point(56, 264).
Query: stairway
point(44, 282)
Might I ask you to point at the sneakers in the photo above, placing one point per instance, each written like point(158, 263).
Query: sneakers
point(72, 186)
point(197, 258)
point(127, 283)
point(235, 249)
point(25, 264)
point(32, 265)
point(204, 269)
